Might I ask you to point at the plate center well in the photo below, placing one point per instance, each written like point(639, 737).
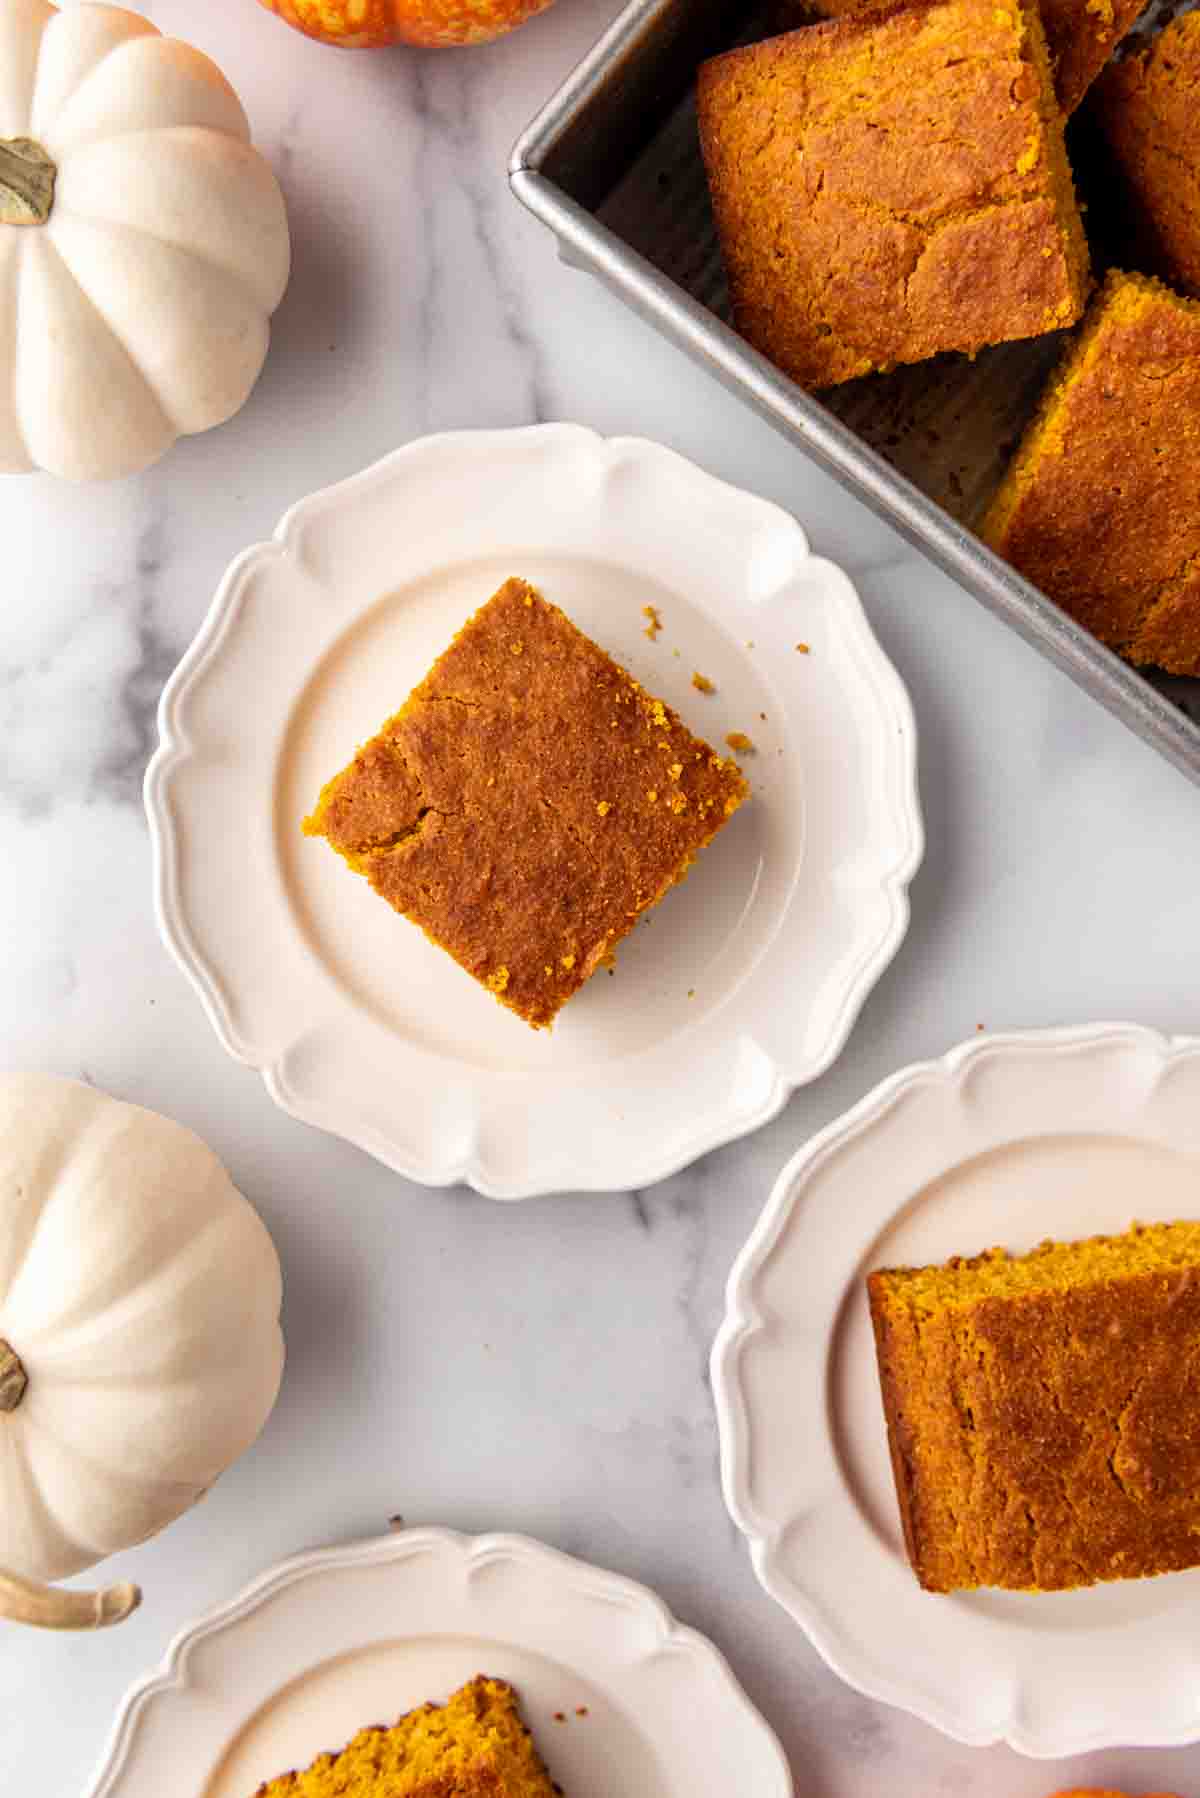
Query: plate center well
point(591, 1756)
point(1014, 1196)
point(689, 955)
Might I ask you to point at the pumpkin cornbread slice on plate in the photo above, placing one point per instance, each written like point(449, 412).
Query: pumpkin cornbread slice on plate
point(1098, 506)
point(1008, 1139)
point(1042, 1410)
point(744, 983)
point(527, 803)
point(889, 188)
point(473, 1746)
point(609, 1684)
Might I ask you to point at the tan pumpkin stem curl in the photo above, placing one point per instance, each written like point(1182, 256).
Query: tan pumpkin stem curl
point(49, 1607)
point(27, 177)
point(13, 1378)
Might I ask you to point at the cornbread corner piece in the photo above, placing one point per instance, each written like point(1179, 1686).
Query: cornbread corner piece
point(1145, 108)
point(1098, 507)
point(1043, 1411)
point(527, 803)
point(473, 1746)
point(886, 188)
point(1082, 35)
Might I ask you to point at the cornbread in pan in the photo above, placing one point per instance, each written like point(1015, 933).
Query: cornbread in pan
point(1099, 506)
point(1082, 35)
point(527, 803)
point(474, 1746)
point(888, 188)
point(1043, 1411)
point(1145, 108)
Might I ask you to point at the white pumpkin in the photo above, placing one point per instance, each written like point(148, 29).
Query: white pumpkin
point(143, 242)
point(140, 1349)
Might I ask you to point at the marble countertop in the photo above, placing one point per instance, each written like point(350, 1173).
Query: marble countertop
point(561, 1388)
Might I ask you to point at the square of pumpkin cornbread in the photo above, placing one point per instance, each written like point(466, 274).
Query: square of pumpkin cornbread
point(886, 188)
point(1043, 1411)
point(473, 1746)
point(1081, 34)
point(1145, 107)
point(527, 803)
point(1099, 505)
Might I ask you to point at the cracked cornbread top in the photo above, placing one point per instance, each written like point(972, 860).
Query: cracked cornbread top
point(1082, 35)
point(1145, 107)
point(527, 803)
point(473, 1746)
point(1098, 506)
point(889, 188)
point(1043, 1410)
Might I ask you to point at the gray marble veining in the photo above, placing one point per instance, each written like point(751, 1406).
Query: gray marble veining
point(540, 1367)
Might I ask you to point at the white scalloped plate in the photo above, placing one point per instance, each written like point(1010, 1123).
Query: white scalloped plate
point(748, 978)
point(1008, 1140)
point(332, 1641)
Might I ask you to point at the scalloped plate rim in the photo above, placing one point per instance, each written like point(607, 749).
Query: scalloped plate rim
point(595, 1583)
point(742, 1320)
point(175, 747)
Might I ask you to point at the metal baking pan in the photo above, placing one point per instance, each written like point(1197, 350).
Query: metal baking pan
point(612, 165)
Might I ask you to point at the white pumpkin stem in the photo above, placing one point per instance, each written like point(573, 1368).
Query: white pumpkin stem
point(27, 177)
point(13, 1378)
point(49, 1607)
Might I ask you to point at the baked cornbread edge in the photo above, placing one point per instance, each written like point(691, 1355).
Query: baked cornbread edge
point(1143, 153)
point(1030, 47)
point(467, 1782)
point(1076, 67)
point(314, 824)
point(1066, 200)
point(1043, 434)
point(894, 1333)
point(908, 1369)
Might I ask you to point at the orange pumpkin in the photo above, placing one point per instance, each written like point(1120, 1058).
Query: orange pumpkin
point(367, 24)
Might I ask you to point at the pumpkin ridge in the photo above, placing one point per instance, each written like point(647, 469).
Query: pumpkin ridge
point(112, 1475)
point(23, 49)
point(47, 239)
point(203, 74)
point(48, 1171)
point(103, 1124)
point(228, 326)
point(14, 449)
point(105, 220)
point(82, 1551)
point(55, 26)
point(43, 1520)
point(67, 101)
point(91, 1320)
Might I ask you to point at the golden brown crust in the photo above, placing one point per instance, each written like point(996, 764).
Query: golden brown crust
point(1082, 35)
point(527, 803)
point(473, 1746)
point(1099, 505)
point(895, 1351)
point(1145, 108)
point(1045, 1439)
point(887, 188)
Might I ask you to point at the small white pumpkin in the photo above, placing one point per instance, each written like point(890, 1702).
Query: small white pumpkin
point(140, 1349)
point(143, 242)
